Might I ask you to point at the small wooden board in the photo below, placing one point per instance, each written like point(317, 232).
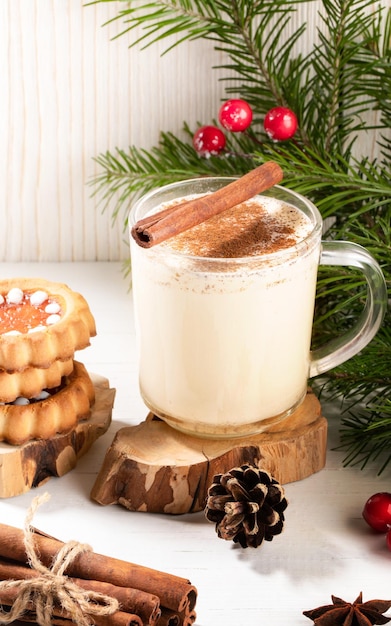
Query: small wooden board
point(151, 467)
point(33, 463)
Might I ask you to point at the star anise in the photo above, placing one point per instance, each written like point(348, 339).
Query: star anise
point(342, 613)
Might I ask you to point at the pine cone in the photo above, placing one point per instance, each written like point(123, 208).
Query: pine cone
point(247, 506)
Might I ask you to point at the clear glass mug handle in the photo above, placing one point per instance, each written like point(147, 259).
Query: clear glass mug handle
point(350, 343)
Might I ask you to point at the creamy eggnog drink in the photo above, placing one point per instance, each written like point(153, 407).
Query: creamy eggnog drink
point(224, 315)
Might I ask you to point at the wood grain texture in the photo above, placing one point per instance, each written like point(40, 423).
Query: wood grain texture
point(153, 468)
point(69, 92)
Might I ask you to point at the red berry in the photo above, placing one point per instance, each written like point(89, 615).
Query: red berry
point(235, 115)
point(280, 123)
point(377, 512)
point(388, 539)
point(208, 141)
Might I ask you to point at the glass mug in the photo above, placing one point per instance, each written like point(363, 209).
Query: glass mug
point(224, 343)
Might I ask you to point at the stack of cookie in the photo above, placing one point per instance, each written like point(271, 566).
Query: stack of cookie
point(43, 390)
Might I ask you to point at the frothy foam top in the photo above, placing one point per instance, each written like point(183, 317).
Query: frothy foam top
point(259, 226)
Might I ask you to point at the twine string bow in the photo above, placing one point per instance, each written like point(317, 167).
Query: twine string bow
point(51, 588)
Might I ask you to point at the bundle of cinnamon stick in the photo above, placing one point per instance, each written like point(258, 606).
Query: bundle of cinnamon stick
point(146, 597)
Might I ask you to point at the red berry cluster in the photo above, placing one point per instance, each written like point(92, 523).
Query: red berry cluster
point(377, 513)
point(236, 115)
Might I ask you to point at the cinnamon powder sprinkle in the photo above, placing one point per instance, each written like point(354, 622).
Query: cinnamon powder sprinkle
point(248, 229)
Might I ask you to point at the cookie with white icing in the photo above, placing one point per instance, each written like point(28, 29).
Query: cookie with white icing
point(41, 322)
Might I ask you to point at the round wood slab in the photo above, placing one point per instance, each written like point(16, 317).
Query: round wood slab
point(152, 467)
point(33, 463)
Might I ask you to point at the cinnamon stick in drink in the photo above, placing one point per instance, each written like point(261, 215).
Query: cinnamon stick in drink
point(165, 224)
point(175, 593)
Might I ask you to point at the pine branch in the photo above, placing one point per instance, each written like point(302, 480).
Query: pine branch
point(340, 187)
point(367, 436)
point(217, 20)
point(127, 174)
point(338, 83)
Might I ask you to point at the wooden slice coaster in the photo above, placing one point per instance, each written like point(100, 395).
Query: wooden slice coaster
point(33, 463)
point(151, 467)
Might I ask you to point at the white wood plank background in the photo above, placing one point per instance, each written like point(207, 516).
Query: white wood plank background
point(69, 92)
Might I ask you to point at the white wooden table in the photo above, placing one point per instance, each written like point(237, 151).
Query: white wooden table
point(325, 548)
